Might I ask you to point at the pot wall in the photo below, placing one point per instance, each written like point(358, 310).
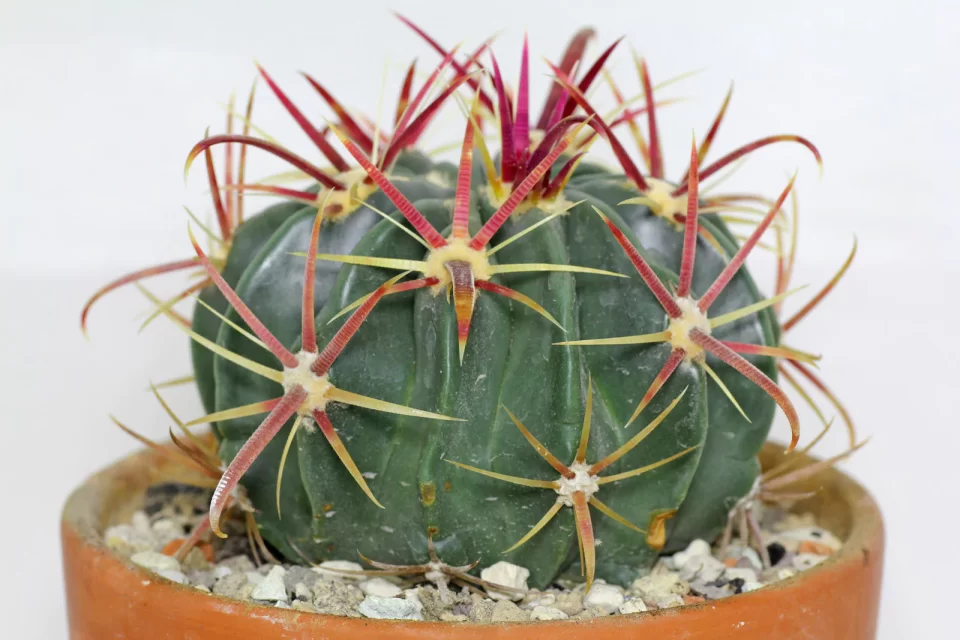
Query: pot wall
point(107, 597)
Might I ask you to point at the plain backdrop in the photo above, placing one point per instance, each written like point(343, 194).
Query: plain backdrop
point(100, 102)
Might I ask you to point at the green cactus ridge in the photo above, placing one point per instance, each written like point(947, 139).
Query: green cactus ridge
point(407, 352)
point(441, 353)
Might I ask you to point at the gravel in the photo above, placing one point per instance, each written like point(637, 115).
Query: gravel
point(696, 574)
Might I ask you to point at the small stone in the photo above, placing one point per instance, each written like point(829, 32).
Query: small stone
point(785, 573)
point(713, 590)
point(380, 587)
point(448, 616)
point(534, 599)
point(818, 548)
point(434, 603)
point(669, 601)
point(301, 591)
point(335, 570)
point(804, 561)
point(776, 551)
point(633, 605)
point(202, 587)
point(166, 530)
point(299, 575)
point(750, 586)
point(657, 585)
point(506, 611)
point(254, 577)
point(605, 596)
point(141, 522)
point(154, 561)
point(481, 611)
point(747, 575)
point(547, 613)
point(234, 585)
point(239, 563)
point(174, 576)
point(271, 587)
point(195, 560)
point(337, 598)
point(389, 609)
point(571, 603)
point(280, 604)
point(126, 540)
point(706, 568)
point(816, 535)
point(751, 556)
point(413, 594)
point(264, 569)
point(221, 572)
point(300, 605)
point(696, 548)
point(202, 578)
point(591, 613)
point(508, 575)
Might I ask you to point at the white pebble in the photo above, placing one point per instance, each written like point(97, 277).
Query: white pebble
point(633, 605)
point(657, 585)
point(271, 587)
point(747, 575)
point(750, 586)
point(124, 538)
point(282, 605)
point(812, 534)
point(173, 575)
point(803, 561)
point(696, 548)
point(221, 572)
point(333, 570)
point(508, 575)
point(536, 599)
point(390, 609)
point(166, 530)
point(604, 596)
point(141, 522)
point(785, 573)
point(155, 561)
point(754, 557)
point(705, 568)
point(547, 613)
point(670, 601)
point(379, 587)
point(254, 577)
point(413, 595)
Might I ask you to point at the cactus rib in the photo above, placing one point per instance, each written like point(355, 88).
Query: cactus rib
point(580, 481)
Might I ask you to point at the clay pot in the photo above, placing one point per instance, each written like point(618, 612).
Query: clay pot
point(108, 597)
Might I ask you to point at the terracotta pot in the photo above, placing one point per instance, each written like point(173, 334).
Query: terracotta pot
point(107, 597)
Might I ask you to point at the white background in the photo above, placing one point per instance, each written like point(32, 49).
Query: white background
point(100, 101)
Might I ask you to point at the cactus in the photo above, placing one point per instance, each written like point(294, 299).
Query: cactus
point(440, 349)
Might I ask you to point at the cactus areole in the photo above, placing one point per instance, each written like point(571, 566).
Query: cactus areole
point(516, 356)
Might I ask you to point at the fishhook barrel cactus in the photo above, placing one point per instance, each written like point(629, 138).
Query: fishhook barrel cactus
point(449, 357)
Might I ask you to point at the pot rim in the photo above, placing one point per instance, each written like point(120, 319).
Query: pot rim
point(88, 510)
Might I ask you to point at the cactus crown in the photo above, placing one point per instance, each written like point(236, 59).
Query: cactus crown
point(391, 318)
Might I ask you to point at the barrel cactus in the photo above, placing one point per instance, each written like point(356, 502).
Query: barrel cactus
point(452, 357)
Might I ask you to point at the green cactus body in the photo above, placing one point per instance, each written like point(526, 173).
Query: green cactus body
point(418, 177)
point(521, 357)
point(728, 466)
point(406, 352)
point(515, 357)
